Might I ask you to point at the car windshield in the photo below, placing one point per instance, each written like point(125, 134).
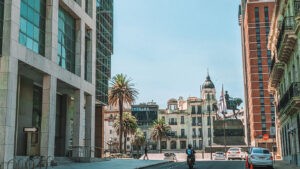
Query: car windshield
point(261, 151)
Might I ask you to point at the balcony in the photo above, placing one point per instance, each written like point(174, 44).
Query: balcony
point(172, 123)
point(286, 39)
point(290, 101)
point(182, 136)
point(276, 72)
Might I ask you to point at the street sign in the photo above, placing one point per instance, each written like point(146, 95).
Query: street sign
point(265, 137)
point(272, 131)
point(30, 129)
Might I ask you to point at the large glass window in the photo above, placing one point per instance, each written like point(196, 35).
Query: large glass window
point(32, 25)
point(66, 41)
point(1, 24)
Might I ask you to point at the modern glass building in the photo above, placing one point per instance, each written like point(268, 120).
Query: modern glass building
point(48, 76)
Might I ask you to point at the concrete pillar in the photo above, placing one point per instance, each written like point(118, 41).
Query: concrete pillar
point(79, 48)
point(8, 81)
point(48, 116)
point(69, 123)
point(51, 31)
point(90, 123)
point(79, 121)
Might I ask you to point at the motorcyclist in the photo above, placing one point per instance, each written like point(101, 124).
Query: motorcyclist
point(190, 153)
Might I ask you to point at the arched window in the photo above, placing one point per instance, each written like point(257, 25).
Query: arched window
point(173, 144)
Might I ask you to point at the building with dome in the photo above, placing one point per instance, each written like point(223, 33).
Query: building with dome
point(191, 120)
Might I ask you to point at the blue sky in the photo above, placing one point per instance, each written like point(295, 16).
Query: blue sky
point(166, 47)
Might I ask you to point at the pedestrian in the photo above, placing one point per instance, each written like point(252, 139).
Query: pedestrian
point(146, 153)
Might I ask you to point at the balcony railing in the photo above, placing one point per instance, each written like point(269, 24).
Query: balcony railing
point(286, 38)
point(276, 72)
point(172, 123)
point(291, 98)
point(182, 136)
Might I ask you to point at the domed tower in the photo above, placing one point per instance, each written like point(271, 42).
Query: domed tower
point(208, 90)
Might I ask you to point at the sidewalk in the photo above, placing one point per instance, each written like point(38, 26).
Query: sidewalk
point(284, 165)
point(111, 164)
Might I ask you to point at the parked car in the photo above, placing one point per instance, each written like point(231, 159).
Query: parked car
point(219, 156)
point(235, 153)
point(260, 157)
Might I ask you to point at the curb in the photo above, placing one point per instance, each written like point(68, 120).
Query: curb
point(152, 165)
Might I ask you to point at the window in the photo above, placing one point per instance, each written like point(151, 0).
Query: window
point(1, 24)
point(200, 132)
point(110, 131)
point(200, 144)
point(66, 41)
point(209, 132)
point(199, 109)
point(199, 121)
point(182, 144)
point(260, 77)
point(193, 121)
point(163, 145)
point(194, 132)
point(262, 101)
point(208, 120)
point(193, 110)
point(182, 120)
point(182, 132)
point(173, 145)
point(194, 144)
point(32, 25)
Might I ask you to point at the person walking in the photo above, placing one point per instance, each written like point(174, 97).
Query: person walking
point(146, 153)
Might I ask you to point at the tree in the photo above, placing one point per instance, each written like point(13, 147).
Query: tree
point(160, 130)
point(122, 91)
point(129, 126)
point(138, 140)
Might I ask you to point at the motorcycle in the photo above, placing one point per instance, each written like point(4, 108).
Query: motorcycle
point(190, 162)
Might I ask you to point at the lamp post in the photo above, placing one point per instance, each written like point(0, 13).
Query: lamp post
point(110, 143)
point(210, 142)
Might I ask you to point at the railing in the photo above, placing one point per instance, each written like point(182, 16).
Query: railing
point(182, 136)
point(293, 91)
point(172, 123)
point(288, 23)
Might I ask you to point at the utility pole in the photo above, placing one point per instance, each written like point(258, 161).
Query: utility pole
point(225, 143)
point(210, 142)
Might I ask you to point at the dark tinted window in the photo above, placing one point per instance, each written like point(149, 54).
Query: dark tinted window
point(260, 151)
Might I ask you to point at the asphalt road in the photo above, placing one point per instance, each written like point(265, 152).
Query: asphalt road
point(204, 165)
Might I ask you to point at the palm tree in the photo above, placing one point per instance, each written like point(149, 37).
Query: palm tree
point(138, 140)
point(160, 130)
point(129, 126)
point(122, 91)
point(236, 102)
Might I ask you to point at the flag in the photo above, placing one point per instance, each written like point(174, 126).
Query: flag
point(222, 104)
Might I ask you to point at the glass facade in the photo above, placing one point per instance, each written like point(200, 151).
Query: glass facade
point(1, 24)
point(104, 45)
point(32, 25)
point(66, 41)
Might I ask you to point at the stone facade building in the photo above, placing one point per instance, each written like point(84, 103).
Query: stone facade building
point(284, 76)
point(48, 79)
point(191, 120)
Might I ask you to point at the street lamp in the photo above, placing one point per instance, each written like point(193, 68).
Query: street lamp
point(110, 143)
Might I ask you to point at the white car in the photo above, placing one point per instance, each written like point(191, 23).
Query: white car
point(235, 153)
point(260, 157)
point(219, 156)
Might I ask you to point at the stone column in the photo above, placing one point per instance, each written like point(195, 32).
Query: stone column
point(48, 116)
point(90, 123)
point(8, 81)
point(51, 31)
point(79, 48)
point(79, 123)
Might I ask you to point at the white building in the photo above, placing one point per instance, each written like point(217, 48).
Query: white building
point(191, 120)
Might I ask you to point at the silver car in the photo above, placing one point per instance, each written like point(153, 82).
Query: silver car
point(235, 153)
point(219, 156)
point(260, 157)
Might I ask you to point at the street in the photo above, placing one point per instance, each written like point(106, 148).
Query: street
point(204, 165)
